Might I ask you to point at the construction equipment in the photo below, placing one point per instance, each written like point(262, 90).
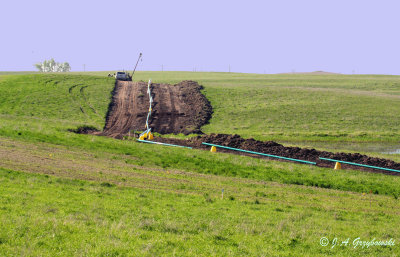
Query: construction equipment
point(133, 72)
point(122, 75)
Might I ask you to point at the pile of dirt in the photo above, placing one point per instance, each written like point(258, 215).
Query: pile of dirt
point(179, 108)
point(237, 141)
point(270, 147)
point(273, 148)
point(84, 130)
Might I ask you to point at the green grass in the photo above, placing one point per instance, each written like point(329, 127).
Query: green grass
point(107, 197)
point(56, 98)
point(198, 161)
point(42, 215)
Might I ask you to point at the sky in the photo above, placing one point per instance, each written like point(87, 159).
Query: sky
point(279, 36)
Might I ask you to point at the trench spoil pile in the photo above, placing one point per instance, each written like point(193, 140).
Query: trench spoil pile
point(273, 148)
point(179, 108)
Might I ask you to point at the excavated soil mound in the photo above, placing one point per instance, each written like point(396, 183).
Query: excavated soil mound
point(179, 108)
point(270, 147)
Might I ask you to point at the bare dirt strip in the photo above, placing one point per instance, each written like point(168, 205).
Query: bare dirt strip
point(179, 108)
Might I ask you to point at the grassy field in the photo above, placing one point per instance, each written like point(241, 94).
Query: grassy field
point(90, 202)
point(56, 98)
point(104, 197)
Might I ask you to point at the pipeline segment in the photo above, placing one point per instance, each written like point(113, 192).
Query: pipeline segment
point(159, 143)
point(147, 132)
point(263, 154)
point(357, 164)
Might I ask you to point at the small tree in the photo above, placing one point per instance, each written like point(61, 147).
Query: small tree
point(53, 66)
point(39, 67)
point(66, 67)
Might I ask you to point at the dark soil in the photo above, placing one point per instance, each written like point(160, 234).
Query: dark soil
point(273, 148)
point(84, 130)
point(179, 108)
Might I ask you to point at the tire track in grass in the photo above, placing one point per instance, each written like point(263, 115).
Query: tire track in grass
point(86, 100)
point(76, 100)
point(81, 100)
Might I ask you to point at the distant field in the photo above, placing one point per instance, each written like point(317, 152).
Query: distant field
point(99, 196)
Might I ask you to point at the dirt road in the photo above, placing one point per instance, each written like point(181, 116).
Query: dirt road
point(179, 108)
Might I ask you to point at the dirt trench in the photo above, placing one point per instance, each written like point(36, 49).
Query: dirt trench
point(273, 148)
point(179, 108)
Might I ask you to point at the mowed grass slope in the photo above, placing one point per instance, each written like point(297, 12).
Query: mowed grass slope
point(66, 98)
point(107, 197)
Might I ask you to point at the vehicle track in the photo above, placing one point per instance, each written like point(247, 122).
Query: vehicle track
point(179, 108)
point(75, 97)
point(82, 100)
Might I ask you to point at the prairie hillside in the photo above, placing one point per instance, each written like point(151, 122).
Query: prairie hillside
point(73, 194)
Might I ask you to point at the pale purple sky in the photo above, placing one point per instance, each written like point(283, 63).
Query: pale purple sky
point(250, 36)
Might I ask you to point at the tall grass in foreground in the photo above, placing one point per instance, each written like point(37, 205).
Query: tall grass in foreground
point(47, 216)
